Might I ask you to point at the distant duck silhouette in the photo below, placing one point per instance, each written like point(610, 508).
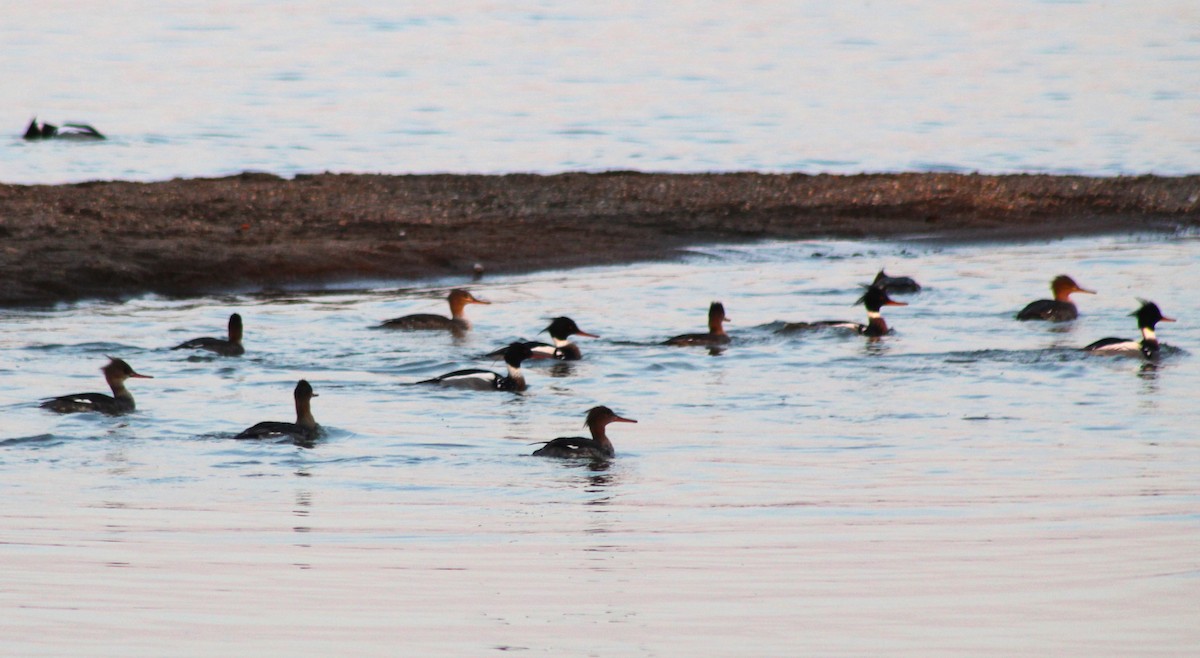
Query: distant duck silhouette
point(716, 330)
point(561, 329)
point(120, 402)
point(576, 447)
point(1148, 317)
point(874, 299)
point(303, 432)
point(225, 347)
point(486, 380)
point(1059, 309)
point(69, 131)
point(457, 322)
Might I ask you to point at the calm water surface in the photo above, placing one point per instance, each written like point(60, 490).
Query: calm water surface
point(969, 485)
point(202, 87)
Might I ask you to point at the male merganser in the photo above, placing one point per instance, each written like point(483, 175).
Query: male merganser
point(716, 331)
point(896, 284)
point(457, 321)
point(121, 401)
point(77, 131)
point(486, 380)
point(1148, 316)
point(1059, 309)
point(560, 330)
point(303, 431)
point(575, 447)
point(225, 347)
point(874, 299)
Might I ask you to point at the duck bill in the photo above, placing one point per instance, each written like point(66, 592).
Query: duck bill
point(1166, 319)
point(140, 376)
point(540, 355)
point(473, 300)
point(892, 302)
point(619, 419)
point(1084, 291)
point(584, 333)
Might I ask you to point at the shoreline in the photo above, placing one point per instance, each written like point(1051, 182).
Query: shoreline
point(188, 237)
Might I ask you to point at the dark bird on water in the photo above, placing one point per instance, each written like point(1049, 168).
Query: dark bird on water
point(231, 346)
point(120, 402)
point(578, 447)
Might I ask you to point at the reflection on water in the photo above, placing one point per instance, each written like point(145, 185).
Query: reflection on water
point(967, 468)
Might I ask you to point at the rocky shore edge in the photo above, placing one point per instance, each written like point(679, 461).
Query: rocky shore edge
point(254, 231)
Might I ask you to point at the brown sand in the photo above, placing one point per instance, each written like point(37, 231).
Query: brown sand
point(257, 231)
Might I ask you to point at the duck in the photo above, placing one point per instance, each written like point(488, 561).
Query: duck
point(70, 131)
point(116, 371)
point(1059, 309)
point(899, 285)
point(874, 299)
point(716, 331)
point(560, 330)
point(486, 380)
point(578, 447)
point(231, 346)
point(303, 432)
point(458, 300)
point(1148, 317)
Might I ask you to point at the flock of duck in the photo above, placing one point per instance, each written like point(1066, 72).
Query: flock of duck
point(305, 430)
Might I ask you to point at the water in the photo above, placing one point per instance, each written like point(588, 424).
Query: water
point(968, 485)
point(206, 88)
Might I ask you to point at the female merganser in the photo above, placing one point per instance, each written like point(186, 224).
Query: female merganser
point(1148, 316)
point(716, 332)
point(303, 431)
point(575, 447)
point(1059, 309)
point(560, 330)
point(899, 285)
point(457, 321)
point(121, 401)
point(486, 380)
point(225, 347)
point(78, 131)
point(874, 299)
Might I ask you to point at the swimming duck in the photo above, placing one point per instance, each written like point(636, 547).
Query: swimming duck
point(896, 284)
point(304, 431)
point(486, 380)
point(1147, 316)
point(1059, 309)
point(874, 299)
point(560, 330)
point(458, 299)
point(75, 131)
point(231, 346)
point(716, 331)
point(576, 447)
point(120, 402)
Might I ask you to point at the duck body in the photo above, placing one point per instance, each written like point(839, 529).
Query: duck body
point(899, 285)
point(231, 346)
point(1059, 309)
point(1148, 317)
point(458, 300)
point(69, 131)
point(304, 430)
point(1050, 310)
point(874, 299)
point(716, 330)
point(486, 380)
point(120, 402)
point(578, 447)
